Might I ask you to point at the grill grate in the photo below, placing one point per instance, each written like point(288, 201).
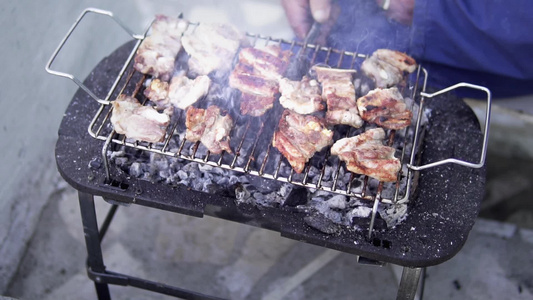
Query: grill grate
point(261, 159)
point(258, 162)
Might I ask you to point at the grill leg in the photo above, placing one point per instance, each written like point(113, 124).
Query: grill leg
point(409, 283)
point(95, 261)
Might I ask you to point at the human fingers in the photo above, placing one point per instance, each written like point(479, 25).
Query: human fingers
point(399, 10)
point(329, 24)
point(297, 12)
point(321, 10)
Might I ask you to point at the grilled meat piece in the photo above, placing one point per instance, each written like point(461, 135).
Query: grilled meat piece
point(253, 84)
point(169, 26)
point(339, 92)
point(184, 92)
point(142, 123)
point(302, 96)
point(387, 67)
point(194, 121)
point(365, 154)
point(212, 47)
point(398, 59)
point(217, 129)
point(181, 93)
point(209, 127)
point(298, 137)
point(256, 75)
point(257, 93)
point(156, 54)
point(269, 62)
point(386, 108)
point(384, 74)
point(157, 92)
point(255, 105)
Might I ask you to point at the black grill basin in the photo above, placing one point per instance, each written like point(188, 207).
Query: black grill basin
point(441, 215)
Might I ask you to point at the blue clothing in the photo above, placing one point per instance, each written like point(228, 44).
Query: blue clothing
point(489, 43)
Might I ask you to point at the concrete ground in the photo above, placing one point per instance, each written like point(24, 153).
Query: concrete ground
point(210, 255)
point(242, 262)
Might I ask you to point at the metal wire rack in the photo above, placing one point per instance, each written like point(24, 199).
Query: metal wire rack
point(252, 157)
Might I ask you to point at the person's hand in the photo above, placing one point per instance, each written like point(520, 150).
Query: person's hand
point(302, 13)
point(399, 10)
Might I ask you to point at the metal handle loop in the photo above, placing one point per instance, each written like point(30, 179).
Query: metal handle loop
point(485, 135)
point(67, 36)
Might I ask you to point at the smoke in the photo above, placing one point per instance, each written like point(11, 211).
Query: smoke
point(363, 27)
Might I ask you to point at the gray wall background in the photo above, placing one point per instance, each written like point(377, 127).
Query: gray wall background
point(33, 101)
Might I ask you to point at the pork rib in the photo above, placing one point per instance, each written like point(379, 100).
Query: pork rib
point(212, 47)
point(253, 84)
point(386, 108)
point(156, 54)
point(339, 92)
point(255, 105)
point(365, 154)
point(210, 127)
point(157, 92)
point(302, 96)
point(299, 137)
point(135, 121)
point(184, 92)
point(269, 62)
point(256, 75)
point(387, 67)
point(400, 60)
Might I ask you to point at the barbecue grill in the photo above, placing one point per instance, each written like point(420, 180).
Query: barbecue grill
point(441, 182)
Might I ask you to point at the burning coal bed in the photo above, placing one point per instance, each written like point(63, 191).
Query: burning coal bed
point(326, 211)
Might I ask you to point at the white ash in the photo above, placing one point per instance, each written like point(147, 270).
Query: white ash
point(252, 189)
point(339, 209)
point(242, 195)
point(393, 214)
point(337, 202)
point(285, 190)
point(360, 212)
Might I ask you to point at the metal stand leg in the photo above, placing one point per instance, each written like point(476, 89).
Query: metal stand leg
point(409, 283)
point(95, 261)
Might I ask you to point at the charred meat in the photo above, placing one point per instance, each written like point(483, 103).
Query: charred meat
point(253, 84)
point(365, 154)
point(257, 93)
point(256, 75)
point(387, 67)
point(298, 137)
point(386, 108)
point(339, 92)
point(269, 62)
point(212, 47)
point(135, 121)
point(156, 54)
point(210, 127)
point(302, 97)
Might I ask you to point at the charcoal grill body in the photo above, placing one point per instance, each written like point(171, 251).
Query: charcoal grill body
point(441, 215)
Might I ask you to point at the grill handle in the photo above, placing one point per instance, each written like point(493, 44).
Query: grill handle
point(481, 162)
point(67, 36)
